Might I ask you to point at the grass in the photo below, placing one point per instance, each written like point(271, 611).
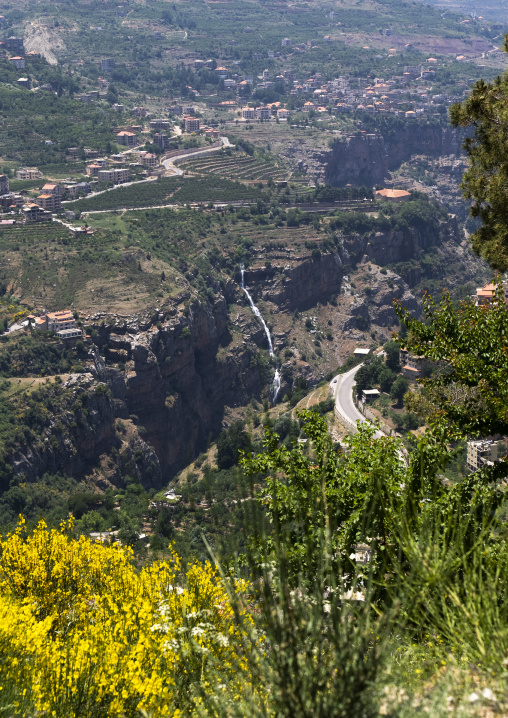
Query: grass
point(48, 266)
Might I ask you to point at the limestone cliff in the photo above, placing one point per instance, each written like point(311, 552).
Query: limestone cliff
point(392, 247)
point(179, 375)
point(300, 285)
point(367, 158)
point(77, 432)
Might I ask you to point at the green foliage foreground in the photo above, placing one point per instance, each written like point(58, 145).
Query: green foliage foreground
point(372, 588)
point(369, 560)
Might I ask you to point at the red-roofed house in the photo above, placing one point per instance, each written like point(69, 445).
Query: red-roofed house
point(392, 195)
point(126, 138)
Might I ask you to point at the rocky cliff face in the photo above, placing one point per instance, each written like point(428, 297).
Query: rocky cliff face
point(179, 375)
point(377, 307)
point(367, 158)
point(299, 286)
point(400, 246)
point(80, 430)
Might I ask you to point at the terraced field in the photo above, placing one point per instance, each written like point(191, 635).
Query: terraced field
point(240, 167)
point(27, 234)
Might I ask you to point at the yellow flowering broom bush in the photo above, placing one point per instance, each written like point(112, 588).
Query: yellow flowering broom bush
point(83, 633)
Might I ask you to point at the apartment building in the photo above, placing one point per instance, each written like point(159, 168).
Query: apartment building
point(15, 44)
point(191, 124)
point(161, 140)
point(93, 170)
point(48, 202)
point(107, 64)
point(149, 159)
point(126, 138)
point(54, 189)
point(73, 189)
point(160, 124)
point(480, 453)
point(117, 175)
point(33, 213)
point(121, 175)
point(263, 113)
point(28, 173)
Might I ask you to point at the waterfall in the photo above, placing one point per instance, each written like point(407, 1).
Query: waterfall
point(257, 313)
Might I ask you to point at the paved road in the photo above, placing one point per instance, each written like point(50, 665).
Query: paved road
point(16, 327)
point(342, 386)
point(172, 170)
point(129, 209)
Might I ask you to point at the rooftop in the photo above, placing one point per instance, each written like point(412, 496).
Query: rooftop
point(393, 193)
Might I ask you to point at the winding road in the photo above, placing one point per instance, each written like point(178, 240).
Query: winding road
point(172, 170)
point(342, 388)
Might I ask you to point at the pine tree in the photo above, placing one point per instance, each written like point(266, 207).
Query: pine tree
point(485, 112)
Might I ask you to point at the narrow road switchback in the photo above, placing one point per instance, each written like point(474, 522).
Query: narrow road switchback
point(342, 388)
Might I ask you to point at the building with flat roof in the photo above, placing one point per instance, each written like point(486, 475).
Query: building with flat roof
point(117, 175)
point(369, 395)
point(28, 173)
point(192, 124)
point(161, 140)
point(70, 335)
point(480, 453)
point(107, 64)
point(15, 44)
point(160, 124)
point(263, 113)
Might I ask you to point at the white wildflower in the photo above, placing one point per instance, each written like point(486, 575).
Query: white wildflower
point(488, 694)
point(222, 640)
point(197, 631)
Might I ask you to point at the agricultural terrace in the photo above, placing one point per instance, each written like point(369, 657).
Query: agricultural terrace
point(238, 166)
point(167, 191)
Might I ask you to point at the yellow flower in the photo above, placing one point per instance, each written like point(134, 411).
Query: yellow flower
point(81, 626)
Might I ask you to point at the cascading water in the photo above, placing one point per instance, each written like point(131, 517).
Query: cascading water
point(257, 313)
